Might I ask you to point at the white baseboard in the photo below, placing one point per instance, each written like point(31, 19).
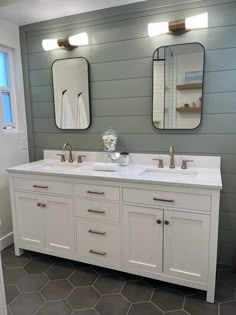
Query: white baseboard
point(6, 241)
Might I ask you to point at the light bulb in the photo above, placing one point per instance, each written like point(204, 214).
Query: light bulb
point(50, 44)
point(155, 29)
point(197, 21)
point(79, 39)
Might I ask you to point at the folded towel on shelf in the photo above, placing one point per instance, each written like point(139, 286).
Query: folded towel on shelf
point(110, 167)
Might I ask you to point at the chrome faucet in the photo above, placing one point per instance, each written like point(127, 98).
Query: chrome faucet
point(172, 157)
point(69, 146)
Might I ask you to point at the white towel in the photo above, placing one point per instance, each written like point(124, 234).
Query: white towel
point(65, 113)
point(110, 167)
point(82, 119)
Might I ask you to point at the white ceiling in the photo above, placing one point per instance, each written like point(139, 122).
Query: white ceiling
point(22, 12)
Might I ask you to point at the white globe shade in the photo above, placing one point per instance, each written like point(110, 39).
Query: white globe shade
point(155, 29)
point(197, 21)
point(79, 39)
point(50, 44)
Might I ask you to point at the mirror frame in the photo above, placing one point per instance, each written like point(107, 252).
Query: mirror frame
point(89, 95)
point(203, 79)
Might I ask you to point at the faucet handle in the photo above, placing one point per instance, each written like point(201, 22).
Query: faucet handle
point(79, 158)
point(184, 164)
point(160, 164)
point(63, 159)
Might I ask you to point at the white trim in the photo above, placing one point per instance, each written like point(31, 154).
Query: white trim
point(6, 241)
point(12, 89)
point(3, 308)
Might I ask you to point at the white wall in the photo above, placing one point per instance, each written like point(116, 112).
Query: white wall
point(14, 147)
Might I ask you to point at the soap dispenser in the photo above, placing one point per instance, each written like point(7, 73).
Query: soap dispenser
point(124, 158)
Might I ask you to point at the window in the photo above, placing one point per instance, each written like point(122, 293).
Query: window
point(7, 89)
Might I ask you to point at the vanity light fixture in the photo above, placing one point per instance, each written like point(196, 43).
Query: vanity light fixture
point(179, 26)
point(69, 43)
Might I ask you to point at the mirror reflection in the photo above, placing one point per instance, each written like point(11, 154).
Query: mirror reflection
point(177, 86)
point(71, 93)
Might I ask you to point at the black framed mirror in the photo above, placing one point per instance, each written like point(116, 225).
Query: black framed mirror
point(71, 93)
point(178, 78)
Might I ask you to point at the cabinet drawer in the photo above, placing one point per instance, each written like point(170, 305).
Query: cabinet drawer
point(98, 210)
point(167, 199)
point(97, 192)
point(98, 241)
point(43, 186)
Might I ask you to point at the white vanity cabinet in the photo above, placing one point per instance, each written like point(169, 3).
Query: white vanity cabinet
point(143, 238)
point(161, 231)
point(173, 242)
point(30, 219)
point(186, 245)
point(45, 219)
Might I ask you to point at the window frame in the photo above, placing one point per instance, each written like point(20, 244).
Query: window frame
point(9, 127)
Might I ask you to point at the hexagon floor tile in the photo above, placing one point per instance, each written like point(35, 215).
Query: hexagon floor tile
point(37, 266)
point(26, 304)
point(115, 304)
point(11, 292)
point(85, 297)
point(13, 261)
point(59, 271)
point(12, 276)
point(57, 290)
point(168, 299)
point(109, 283)
point(32, 282)
point(86, 312)
point(38, 284)
point(196, 305)
point(228, 308)
point(144, 308)
point(81, 278)
point(137, 291)
point(55, 307)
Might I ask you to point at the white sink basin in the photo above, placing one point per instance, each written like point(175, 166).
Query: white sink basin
point(155, 172)
point(59, 166)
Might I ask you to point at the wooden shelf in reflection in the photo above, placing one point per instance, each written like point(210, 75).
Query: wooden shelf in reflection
point(189, 109)
point(189, 86)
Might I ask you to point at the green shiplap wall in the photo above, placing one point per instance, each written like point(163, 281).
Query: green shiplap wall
point(120, 57)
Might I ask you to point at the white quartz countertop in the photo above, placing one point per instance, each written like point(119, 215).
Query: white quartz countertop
point(199, 177)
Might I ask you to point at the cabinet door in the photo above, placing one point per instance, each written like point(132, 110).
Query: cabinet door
point(186, 245)
point(30, 219)
point(59, 224)
point(143, 238)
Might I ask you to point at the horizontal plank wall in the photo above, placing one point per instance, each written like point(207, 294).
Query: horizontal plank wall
point(120, 57)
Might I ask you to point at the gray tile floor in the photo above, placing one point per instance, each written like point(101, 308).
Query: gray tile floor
point(43, 285)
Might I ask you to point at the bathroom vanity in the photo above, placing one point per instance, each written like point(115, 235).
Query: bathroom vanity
point(158, 223)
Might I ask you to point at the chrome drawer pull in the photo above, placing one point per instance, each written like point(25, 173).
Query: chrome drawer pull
point(97, 211)
point(165, 200)
point(39, 186)
point(97, 252)
point(97, 232)
point(95, 192)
